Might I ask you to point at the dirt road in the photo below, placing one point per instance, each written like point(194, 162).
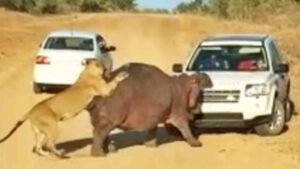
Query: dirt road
point(155, 39)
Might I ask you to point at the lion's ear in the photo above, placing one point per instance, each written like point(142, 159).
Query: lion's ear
point(88, 61)
point(84, 62)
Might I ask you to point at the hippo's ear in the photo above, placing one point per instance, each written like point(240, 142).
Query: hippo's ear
point(205, 80)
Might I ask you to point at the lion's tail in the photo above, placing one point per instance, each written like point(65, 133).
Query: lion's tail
point(18, 124)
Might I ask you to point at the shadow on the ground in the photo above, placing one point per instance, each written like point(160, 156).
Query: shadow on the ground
point(132, 138)
point(122, 140)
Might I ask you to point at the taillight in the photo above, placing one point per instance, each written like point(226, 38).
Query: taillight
point(42, 60)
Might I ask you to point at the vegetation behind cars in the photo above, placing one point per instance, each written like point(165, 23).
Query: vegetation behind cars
point(232, 9)
point(59, 6)
point(242, 9)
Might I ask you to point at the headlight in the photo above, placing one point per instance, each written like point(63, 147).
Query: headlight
point(257, 90)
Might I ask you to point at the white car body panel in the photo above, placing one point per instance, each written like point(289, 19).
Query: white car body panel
point(249, 107)
point(64, 68)
point(65, 65)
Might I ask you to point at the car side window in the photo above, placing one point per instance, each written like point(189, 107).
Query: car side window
point(275, 55)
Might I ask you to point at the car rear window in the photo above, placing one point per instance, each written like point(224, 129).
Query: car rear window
point(70, 43)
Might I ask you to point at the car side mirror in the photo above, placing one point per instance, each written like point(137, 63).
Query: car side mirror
point(177, 68)
point(108, 49)
point(111, 48)
point(282, 68)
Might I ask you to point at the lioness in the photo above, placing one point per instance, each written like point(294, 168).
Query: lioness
point(45, 115)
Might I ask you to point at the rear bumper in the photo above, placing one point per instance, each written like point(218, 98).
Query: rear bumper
point(227, 121)
point(65, 74)
point(51, 88)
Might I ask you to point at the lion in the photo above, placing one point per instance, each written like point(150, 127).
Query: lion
point(45, 115)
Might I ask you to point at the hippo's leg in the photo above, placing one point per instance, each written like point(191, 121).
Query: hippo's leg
point(110, 145)
point(173, 131)
point(101, 132)
point(182, 125)
point(151, 138)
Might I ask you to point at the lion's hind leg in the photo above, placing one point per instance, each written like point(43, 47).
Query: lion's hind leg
point(52, 134)
point(40, 142)
point(47, 132)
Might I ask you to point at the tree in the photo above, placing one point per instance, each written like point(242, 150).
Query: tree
point(126, 5)
point(107, 5)
point(54, 6)
point(189, 7)
point(219, 7)
point(241, 8)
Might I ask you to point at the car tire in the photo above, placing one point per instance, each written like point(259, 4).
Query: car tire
point(289, 109)
point(37, 89)
point(277, 123)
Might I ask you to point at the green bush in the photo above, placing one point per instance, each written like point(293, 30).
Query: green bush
point(39, 6)
point(122, 5)
point(22, 5)
point(191, 7)
point(49, 6)
point(55, 6)
point(157, 11)
point(92, 6)
point(219, 7)
point(239, 9)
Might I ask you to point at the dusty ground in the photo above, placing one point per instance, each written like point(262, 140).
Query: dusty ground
point(156, 39)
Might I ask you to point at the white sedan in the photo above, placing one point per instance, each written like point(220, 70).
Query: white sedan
point(60, 56)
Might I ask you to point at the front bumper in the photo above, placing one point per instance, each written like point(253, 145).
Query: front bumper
point(227, 120)
point(243, 113)
point(248, 107)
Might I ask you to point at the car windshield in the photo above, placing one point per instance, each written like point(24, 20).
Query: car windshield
point(70, 43)
point(229, 58)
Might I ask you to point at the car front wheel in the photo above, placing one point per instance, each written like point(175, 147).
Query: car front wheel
point(289, 109)
point(276, 124)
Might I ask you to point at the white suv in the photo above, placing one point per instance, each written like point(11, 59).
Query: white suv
point(60, 57)
point(250, 83)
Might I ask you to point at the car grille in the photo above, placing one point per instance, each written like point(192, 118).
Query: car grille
point(220, 96)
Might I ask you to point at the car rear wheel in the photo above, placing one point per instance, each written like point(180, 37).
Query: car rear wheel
point(37, 89)
point(276, 125)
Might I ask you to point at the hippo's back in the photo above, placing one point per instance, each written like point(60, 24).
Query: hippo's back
point(145, 94)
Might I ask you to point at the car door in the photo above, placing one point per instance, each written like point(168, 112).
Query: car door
point(282, 78)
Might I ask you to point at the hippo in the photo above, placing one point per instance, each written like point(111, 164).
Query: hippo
point(145, 99)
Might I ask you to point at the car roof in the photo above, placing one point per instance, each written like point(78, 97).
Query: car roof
point(235, 39)
point(70, 33)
